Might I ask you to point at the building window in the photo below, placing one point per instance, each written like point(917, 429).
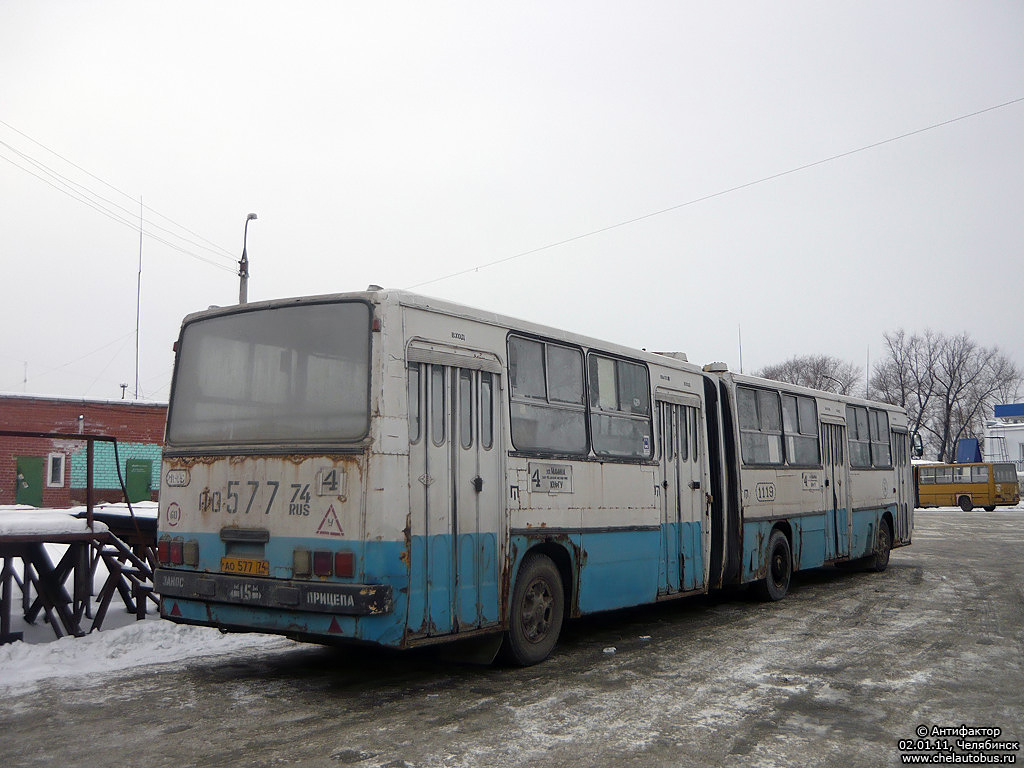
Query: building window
point(55, 470)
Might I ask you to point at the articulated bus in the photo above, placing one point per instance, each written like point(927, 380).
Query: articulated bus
point(386, 468)
point(981, 484)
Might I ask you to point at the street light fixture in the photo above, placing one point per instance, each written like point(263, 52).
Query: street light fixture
point(243, 265)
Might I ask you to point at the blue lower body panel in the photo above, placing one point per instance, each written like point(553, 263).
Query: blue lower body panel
point(619, 569)
point(448, 594)
point(435, 590)
point(816, 540)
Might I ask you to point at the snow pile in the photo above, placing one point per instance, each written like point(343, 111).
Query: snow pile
point(143, 643)
point(29, 521)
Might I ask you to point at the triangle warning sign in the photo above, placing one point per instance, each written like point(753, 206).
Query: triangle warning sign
point(330, 525)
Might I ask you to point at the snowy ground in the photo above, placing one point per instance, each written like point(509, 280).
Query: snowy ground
point(123, 643)
point(114, 651)
point(837, 674)
point(842, 672)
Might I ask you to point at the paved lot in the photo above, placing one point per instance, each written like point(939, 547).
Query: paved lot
point(837, 674)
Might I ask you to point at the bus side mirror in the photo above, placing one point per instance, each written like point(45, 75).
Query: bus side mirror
point(917, 446)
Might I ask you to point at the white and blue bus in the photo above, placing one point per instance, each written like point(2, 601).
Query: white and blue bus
point(386, 468)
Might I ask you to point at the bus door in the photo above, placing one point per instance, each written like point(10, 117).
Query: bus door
point(455, 497)
point(838, 517)
point(904, 489)
point(681, 566)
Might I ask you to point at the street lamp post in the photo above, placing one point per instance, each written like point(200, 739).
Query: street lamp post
point(243, 265)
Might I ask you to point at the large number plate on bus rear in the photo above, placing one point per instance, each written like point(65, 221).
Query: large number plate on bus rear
point(245, 566)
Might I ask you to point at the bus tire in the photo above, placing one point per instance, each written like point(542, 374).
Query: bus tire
point(775, 584)
point(965, 503)
point(883, 546)
point(991, 508)
point(538, 605)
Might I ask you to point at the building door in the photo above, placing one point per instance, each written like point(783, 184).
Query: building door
point(681, 566)
point(29, 479)
point(455, 498)
point(138, 479)
point(838, 517)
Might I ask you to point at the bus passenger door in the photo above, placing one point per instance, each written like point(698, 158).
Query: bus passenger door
point(455, 497)
point(431, 558)
point(904, 488)
point(838, 517)
point(477, 496)
point(669, 568)
point(681, 566)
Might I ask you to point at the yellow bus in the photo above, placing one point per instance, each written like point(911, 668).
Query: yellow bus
point(967, 486)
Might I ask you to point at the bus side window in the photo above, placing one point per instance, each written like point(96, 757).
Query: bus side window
point(684, 436)
point(465, 408)
point(880, 450)
point(694, 442)
point(760, 417)
point(486, 411)
point(858, 436)
point(437, 414)
point(415, 415)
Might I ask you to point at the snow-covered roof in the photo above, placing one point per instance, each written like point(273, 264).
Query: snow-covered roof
point(82, 400)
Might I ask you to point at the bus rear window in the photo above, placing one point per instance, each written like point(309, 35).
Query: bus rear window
point(282, 375)
point(1004, 473)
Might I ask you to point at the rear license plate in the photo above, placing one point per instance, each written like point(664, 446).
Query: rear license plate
point(243, 565)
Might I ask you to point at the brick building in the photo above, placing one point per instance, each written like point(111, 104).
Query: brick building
point(52, 472)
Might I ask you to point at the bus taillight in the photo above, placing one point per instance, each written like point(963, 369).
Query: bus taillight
point(177, 552)
point(322, 563)
point(344, 564)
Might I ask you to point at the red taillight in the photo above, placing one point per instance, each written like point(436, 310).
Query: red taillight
point(344, 564)
point(177, 552)
point(163, 551)
point(322, 563)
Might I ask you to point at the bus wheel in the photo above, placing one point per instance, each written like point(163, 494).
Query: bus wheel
point(775, 584)
point(880, 561)
point(538, 604)
point(991, 508)
point(965, 503)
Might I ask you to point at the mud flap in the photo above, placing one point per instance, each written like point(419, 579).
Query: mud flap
point(476, 650)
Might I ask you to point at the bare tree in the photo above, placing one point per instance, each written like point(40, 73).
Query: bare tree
point(823, 372)
point(948, 385)
point(905, 377)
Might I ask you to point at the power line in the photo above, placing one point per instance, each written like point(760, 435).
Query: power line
point(75, 195)
point(62, 366)
point(713, 195)
point(81, 189)
point(219, 248)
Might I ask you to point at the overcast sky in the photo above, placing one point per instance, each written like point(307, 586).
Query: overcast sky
point(395, 143)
